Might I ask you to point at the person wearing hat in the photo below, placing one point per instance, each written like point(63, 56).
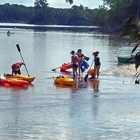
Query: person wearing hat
point(97, 64)
point(16, 68)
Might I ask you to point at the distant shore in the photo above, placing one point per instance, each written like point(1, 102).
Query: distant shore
point(50, 27)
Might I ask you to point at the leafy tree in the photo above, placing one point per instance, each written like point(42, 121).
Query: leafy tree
point(132, 29)
point(40, 16)
point(108, 2)
point(41, 4)
point(70, 1)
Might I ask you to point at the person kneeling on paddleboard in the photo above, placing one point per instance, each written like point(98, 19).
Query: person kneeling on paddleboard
point(16, 68)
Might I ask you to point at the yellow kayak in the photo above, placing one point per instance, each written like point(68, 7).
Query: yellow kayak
point(20, 76)
point(64, 81)
point(91, 71)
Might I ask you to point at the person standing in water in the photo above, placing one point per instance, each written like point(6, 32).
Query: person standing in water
point(97, 64)
point(81, 59)
point(75, 63)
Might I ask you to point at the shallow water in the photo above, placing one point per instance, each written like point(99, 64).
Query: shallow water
point(45, 110)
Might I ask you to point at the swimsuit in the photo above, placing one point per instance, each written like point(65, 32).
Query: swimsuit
point(75, 65)
point(97, 61)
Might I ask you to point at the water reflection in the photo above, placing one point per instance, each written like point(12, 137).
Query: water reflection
point(50, 111)
point(80, 84)
point(95, 106)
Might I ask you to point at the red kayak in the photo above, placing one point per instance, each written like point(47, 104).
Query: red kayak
point(12, 82)
point(65, 67)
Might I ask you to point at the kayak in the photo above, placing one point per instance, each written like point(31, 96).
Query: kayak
point(21, 77)
point(12, 82)
point(63, 81)
point(91, 72)
point(65, 66)
point(130, 59)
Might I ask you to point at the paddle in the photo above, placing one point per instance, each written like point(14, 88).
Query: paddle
point(87, 73)
point(56, 68)
point(22, 58)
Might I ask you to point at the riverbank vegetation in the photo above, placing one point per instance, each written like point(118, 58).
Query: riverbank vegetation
point(108, 15)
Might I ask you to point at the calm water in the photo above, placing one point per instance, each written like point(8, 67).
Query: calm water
point(45, 111)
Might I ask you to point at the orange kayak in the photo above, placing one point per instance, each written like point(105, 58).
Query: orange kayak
point(12, 82)
point(67, 66)
point(91, 71)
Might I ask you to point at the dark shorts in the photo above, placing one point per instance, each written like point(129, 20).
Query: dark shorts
point(74, 65)
point(16, 72)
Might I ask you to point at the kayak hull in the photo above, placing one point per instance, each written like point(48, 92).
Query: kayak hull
point(125, 60)
point(91, 72)
point(64, 81)
point(13, 82)
point(65, 67)
point(21, 77)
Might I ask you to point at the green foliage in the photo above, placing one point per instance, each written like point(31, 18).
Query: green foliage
point(70, 1)
point(41, 4)
point(131, 29)
point(77, 15)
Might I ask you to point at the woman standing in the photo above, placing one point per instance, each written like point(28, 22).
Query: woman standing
point(97, 64)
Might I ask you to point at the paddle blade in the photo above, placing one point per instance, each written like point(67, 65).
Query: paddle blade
point(18, 47)
point(56, 68)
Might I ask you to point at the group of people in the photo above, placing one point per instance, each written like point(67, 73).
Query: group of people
point(77, 59)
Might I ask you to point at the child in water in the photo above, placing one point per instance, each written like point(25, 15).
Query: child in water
point(81, 57)
point(97, 64)
point(75, 63)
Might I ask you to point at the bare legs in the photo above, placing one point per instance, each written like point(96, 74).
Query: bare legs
point(96, 71)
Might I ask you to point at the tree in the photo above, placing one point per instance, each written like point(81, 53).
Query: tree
point(132, 29)
point(70, 1)
point(41, 4)
point(40, 15)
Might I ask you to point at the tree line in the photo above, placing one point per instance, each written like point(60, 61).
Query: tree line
point(108, 15)
point(76, 15)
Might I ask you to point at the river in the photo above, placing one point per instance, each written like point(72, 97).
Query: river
point(46, 111)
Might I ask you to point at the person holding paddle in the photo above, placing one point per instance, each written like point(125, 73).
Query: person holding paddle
point(97, 64)
point(16, 67)
point(75, 63)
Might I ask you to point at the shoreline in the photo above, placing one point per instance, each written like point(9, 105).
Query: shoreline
point(50, 27)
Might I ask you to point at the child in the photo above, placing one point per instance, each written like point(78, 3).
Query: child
point(97, 64)
point(81, 59)
point(74, 62)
